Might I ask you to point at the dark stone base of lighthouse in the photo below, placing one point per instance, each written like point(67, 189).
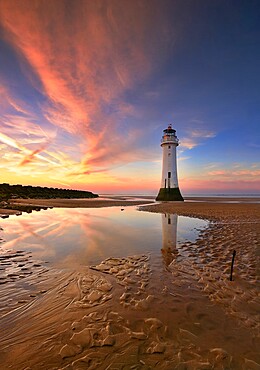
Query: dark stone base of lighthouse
point(169, 194)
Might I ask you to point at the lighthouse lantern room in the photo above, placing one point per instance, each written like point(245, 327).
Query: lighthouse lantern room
point(169, 190)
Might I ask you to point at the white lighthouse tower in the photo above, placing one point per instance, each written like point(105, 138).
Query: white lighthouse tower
point(169, 185)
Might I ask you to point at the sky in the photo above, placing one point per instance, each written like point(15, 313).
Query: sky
point(87, 87)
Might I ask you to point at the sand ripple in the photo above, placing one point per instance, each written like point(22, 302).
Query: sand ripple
point(133, 273)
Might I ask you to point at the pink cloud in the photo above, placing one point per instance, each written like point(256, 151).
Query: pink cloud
point(9, 102)
point(218, 173)
point(237, 173)
point(87, 63)
point(219, 185)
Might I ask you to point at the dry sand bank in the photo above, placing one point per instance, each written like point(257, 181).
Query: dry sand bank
point(208, 210)
point(125, 313)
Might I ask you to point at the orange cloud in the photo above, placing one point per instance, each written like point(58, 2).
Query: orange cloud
point(87, 54)
point(30, 157)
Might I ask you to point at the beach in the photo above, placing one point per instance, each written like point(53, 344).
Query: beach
point(128, 312)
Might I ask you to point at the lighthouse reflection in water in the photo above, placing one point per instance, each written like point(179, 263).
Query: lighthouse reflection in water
point(75, 237)
point(169, 237)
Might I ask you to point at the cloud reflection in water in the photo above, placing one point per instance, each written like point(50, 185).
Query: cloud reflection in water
point(75, 237)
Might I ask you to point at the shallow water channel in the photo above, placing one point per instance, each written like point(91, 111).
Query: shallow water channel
point(111, 288)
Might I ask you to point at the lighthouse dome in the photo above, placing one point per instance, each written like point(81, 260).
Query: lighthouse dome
point(169, 136)
point(169, 130)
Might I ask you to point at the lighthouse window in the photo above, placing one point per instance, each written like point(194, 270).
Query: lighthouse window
point(169, 175)
point(169, 147)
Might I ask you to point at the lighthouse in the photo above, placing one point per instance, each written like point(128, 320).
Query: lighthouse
point(169, 190)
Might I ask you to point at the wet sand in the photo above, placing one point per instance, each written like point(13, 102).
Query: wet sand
point(122, 314)
point(84, 203)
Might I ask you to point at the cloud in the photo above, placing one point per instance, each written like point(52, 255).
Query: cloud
point(188, 143)
point(83, 171)
point(236, 173)
point(87, 56)
point(205, 134)
point(220, 177)
point(196, 137)
point(221, 186)
point(218, 173)
point(25, 128)
point(29, 155)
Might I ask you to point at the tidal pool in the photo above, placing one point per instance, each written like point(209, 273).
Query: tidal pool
point(75, 237)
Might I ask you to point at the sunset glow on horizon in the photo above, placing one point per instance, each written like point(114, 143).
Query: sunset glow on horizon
point(87, 87)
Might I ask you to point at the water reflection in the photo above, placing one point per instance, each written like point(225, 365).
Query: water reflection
point(80, 237)
point(169, 237)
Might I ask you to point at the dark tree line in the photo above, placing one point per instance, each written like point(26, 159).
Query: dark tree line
point(19, 191)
